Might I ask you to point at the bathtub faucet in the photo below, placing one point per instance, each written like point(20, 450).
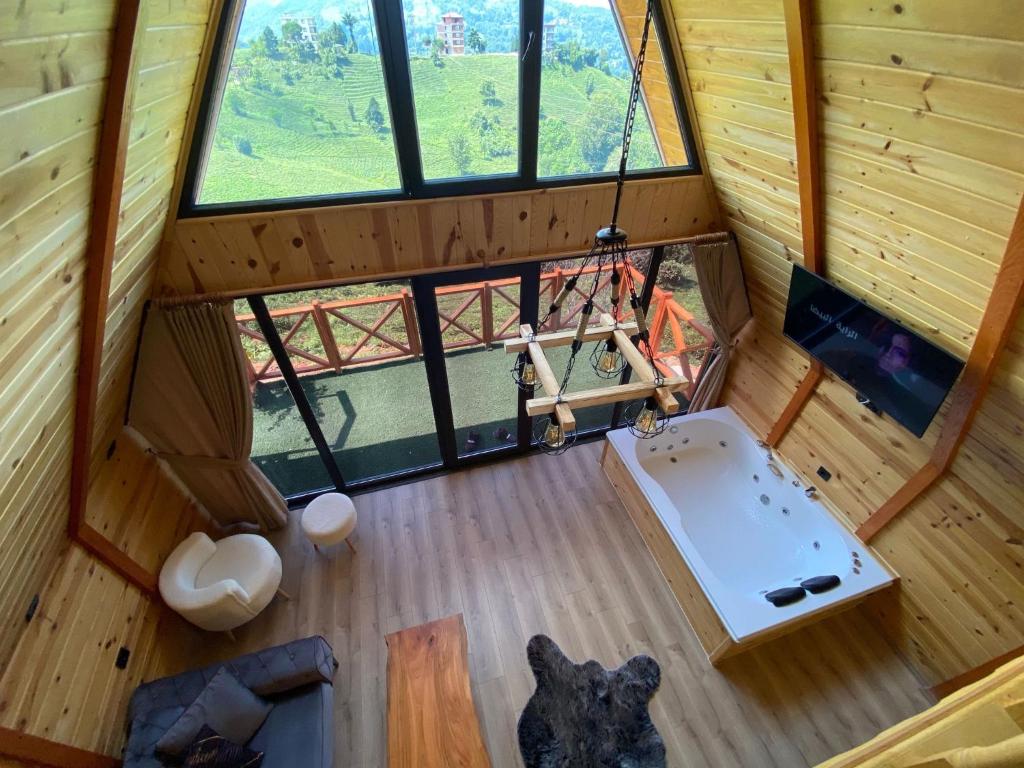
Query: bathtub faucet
point(810, 491)
point(767, 450)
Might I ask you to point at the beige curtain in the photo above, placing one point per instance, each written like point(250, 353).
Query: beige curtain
point(192, 402)
point(720, 277)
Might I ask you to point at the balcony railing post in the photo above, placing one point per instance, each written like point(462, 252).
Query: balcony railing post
point(487, 314)
point(409, 316)
point(556, 288)
point(323, 328)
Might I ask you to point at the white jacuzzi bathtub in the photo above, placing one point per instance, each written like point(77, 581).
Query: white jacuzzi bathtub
point(741, 529)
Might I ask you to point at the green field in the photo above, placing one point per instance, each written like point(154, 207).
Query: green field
point(289, 128)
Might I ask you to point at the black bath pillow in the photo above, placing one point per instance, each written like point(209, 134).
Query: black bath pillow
point(785, 596)
point(819, 584)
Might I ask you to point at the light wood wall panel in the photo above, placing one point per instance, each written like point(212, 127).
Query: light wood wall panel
point(251, 252)
point(61, 683)
point(53, 66)
point(163, 89)
point(922, 121)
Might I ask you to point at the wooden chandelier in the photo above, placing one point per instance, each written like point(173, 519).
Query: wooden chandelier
point(562, 404)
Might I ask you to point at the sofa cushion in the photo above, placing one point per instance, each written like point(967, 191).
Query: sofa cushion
point(299, 730)
point(266, 672)
point(227, 706)
point(211, 750)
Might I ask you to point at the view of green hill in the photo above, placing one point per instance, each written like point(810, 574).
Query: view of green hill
point(299, 120)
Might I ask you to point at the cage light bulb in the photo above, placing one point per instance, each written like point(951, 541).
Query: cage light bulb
point(647, 420)
point(529, 376)
point(554, 435)
point(608, 362)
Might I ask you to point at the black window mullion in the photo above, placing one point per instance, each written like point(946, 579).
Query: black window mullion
point(394, 55)
point(437, 376)
point(529, 306)
point(531, 47)
point(284, 364)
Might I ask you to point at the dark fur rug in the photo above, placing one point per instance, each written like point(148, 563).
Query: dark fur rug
point(585, 716)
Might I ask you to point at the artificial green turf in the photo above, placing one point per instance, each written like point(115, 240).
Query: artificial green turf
point(378, 419)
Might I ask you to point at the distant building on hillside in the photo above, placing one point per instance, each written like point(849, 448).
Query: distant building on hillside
point(452, 31)
point(549, 36)
point(308, 26)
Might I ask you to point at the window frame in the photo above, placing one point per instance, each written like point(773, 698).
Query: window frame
point(391, 38)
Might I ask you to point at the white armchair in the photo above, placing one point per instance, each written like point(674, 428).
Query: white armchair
point(220, 585)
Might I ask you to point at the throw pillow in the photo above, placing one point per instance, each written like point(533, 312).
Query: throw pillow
point(227, 706)
point(211, 750)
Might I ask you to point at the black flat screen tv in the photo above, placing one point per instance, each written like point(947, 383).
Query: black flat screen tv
point(892, 368)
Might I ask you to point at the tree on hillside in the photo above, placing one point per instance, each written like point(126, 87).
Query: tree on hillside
point(589, 87)
point(350, 22)
point(604, 119)
point(266, 44)
point(489, 94)
point(458, 147)
point(352, 113)
point(236, 104)
point(373, 116)
point(436, 49)
point(291, 32)
point(333, 36)
point(476, 42)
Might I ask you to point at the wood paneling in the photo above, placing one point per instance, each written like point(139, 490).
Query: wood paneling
point(494, 544)
point(251, 252)
point(52, 71)
point(61, 683)
point(921, 120)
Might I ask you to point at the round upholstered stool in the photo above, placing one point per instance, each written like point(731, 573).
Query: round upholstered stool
point(329, 519)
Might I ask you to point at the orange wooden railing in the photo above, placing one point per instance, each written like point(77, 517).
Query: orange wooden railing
point(467, 317)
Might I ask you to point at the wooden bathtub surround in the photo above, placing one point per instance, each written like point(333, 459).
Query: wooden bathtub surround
point(718, 644)
point(432, 720)
point(997, 325)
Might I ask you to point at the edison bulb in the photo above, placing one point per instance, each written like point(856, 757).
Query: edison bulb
point(647, 420)
point(554, 435)
point(609, 361)
point(529, 377)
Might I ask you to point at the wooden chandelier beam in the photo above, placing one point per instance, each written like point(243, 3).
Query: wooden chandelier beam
point(636, 360)
point(564, 338)
point(548, 381)
point(997, 324)
point(800, 42)
point(607, 395)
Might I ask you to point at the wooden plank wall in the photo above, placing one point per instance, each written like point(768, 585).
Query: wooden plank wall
point(61, 683)
point(250, 252)
point(57, 678)
point(922, 107)
point(53, 65)
point(657, 89)
point(171, 45)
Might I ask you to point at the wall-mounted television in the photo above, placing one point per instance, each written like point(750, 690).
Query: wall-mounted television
point(892, 368)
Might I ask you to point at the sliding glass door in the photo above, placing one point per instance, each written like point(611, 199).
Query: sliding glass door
point(466, 316)
point(354, 385)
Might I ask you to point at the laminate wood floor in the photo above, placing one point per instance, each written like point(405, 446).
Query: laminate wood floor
point(542, 545)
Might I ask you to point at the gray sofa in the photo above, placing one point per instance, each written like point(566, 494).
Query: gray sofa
point(296, 677)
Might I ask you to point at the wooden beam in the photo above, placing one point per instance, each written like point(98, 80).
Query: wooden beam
point(605, 396)
point(51, 754)
point(796, 403)
point(640, 365)
point(564, 338)
point(800, 42)
point(547, 379)
point(997, 324)
point(111, 155)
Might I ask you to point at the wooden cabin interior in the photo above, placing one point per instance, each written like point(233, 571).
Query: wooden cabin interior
point(257, 252)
